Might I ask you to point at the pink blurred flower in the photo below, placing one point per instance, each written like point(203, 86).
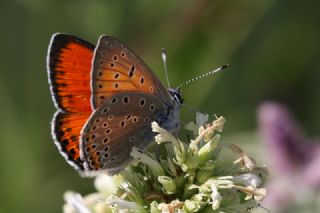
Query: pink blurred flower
point(294, 159)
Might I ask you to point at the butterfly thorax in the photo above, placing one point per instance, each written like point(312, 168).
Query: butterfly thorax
point(171, 122)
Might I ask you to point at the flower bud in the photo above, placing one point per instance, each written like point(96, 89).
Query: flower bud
point(107, 184)
point(203, 175)
point(121, 204)
point(190, 206)
point(74, 201)
point(164, 135)
point(154, 207)
point(216, 197)
point(219, 123)
point(248, 180)
point(180, 154)
point(170, 207)
point(154, 165)
point(169, 186)
point(192, 157)
point(205, 152)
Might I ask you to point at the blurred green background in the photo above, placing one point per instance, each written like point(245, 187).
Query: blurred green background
point(273, 49)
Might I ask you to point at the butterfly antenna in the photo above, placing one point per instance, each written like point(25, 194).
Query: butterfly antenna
point(164, 59)
point(203, 75)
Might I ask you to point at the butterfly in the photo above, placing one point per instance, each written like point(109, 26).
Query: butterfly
point(106, 98)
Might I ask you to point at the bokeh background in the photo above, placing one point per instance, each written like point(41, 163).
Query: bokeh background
point(273, 49)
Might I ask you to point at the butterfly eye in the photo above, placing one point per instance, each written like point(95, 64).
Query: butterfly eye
point(123, 54)
point(116, 75)
point(115, 58)
point(104, 125)
point(116, 85)
point(114, 100)
point(110, 117)
point(111, 64)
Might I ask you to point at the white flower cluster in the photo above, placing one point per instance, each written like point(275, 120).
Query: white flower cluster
point(180, 177)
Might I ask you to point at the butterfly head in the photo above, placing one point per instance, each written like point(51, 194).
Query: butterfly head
point(175, 95)
point(171, 121)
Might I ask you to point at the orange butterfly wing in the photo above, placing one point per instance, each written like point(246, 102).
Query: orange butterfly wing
point(116, 69)
point(69, 64)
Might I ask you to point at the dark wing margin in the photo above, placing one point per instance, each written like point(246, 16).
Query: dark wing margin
point(66, 130)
